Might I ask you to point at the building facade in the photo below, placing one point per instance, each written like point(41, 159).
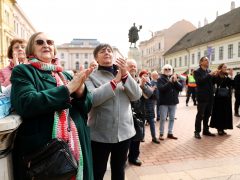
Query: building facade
point(13, 24)
point(152, 50)
point(79, 52)
point(219, 41)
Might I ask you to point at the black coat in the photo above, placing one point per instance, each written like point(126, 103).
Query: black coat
point(237, 85)
point(204, 85)
point(222, 106)
point(168, 91)
point(138, 118)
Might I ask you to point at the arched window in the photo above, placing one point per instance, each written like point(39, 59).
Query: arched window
point(77, 65)
point(85, 65)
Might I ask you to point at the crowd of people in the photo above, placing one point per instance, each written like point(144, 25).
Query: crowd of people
point(106, 105)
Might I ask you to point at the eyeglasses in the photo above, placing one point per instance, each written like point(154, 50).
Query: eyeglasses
point(40, 42)
point(167, 69)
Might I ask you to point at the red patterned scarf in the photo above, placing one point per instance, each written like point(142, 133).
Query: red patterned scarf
point(61, 117)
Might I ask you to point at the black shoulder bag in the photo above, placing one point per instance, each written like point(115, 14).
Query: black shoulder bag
point(54, 161)
point(222, 92)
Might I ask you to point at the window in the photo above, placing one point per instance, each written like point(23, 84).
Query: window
point(62, 64)
point(205, 53)
point(230, 51)
point(193, 59)
point(185, 64)
point(86, 55)
point(180, 61)
point(7, 16)
point(77, 55)
point(199, 55)
point(159, 46)
point(62, 55)
point(77, 65)
point(221, 53)
point(171, 62)
point(213, 55)
point(239, 49)
point(86, 65)
point(175, 62)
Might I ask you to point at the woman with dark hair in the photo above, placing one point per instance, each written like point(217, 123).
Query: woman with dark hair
point(16, 55)
point(221, 118)
point(111, 119)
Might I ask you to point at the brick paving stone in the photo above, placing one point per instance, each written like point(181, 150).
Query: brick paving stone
point(187, 146)
point(188, 151)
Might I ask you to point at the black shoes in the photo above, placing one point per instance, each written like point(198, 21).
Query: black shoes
point(170, 136)
point(221, 133)
point(137, 162)
point(155, 140)
point(236, 114)
point(197, 135)
point(161, 137)
point(208, 133)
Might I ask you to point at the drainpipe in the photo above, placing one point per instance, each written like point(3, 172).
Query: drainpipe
point(188, 60)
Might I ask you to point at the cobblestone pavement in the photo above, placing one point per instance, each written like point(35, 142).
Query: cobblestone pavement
point(211, 158)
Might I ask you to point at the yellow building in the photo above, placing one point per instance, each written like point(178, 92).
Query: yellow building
point(13, 23)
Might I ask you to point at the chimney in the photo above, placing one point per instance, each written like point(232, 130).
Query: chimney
point(232, 5)
point(199, 24)
point(205, 21)
point(216, 14)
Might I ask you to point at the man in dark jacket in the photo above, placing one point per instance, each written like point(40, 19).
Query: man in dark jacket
point(237, 95)
point(138, 118)
point(203, 77)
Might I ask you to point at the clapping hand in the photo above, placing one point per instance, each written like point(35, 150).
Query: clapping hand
point(15, 58)
point(76, 85)
point(230, 72)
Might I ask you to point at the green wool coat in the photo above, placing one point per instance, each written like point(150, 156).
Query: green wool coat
point(35, 98)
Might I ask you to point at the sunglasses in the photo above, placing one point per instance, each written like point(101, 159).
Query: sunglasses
point(167, 69)
point(40, 42)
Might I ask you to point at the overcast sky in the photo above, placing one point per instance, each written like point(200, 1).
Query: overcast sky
point(109, 20)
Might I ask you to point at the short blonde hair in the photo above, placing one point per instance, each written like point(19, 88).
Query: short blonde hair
point(167, 66)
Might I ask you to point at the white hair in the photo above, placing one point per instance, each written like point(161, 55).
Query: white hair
point(167, 66)
point(131, 61)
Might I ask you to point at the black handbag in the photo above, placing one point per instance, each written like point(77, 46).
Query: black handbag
point(54, 161)
point(222, 92)
point(138, 125)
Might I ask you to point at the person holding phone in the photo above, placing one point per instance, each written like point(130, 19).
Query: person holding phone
point(169, 88)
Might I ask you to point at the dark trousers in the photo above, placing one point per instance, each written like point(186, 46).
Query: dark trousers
point(237, 103)
point(191, 91)
point(101, 152)
point(134, 150)
point(204, 110)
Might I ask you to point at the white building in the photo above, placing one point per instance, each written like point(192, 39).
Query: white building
point(79, 52)
point(152, 50)
point(219, 40)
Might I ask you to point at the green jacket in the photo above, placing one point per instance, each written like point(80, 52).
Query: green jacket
point(35, 98)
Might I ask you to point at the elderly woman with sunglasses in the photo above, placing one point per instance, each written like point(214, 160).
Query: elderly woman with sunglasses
point(16, 55)
point(169, 88)
point(45, 96)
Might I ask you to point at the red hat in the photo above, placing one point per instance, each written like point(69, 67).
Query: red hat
point(143, 72)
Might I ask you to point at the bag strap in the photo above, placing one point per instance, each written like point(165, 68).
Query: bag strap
point(68, 121)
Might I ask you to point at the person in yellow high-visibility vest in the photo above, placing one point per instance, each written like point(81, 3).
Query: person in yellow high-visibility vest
point(191, 88)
